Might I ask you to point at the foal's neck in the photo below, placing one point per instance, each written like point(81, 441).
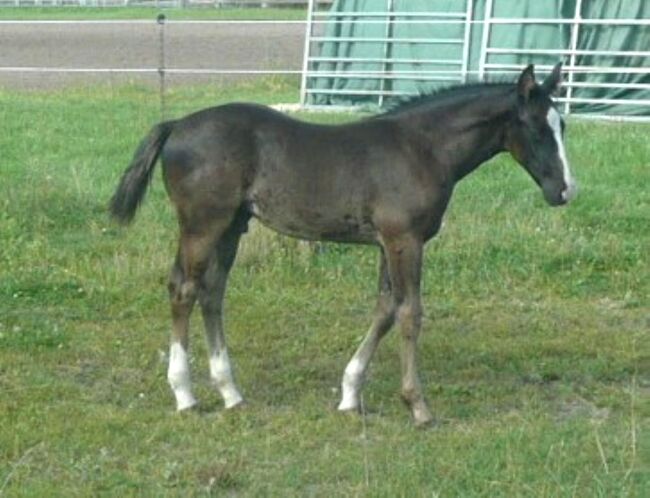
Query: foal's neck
point(469, 133)
point(481, 136)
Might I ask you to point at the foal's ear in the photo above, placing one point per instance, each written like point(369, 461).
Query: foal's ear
point(526, 83)
point(553, 82)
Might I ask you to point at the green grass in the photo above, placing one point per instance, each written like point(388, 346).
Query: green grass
point(534, 350)
point(110, 13)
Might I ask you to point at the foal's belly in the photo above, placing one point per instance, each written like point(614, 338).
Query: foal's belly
point(313, 219)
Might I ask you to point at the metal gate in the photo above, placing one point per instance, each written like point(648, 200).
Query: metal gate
point(320, 21)
point(587, 74)
point(589, 86)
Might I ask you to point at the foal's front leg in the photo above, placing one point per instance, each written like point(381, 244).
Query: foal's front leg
point(404, 256)
point(382, 322)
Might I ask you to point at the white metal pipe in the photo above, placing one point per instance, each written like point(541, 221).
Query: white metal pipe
point(305, 54)
point(577, 69)
point(569, 51)
point(623, 86)
point(575, 27)
point(416, 21)
point(386, 76)
point(469, 12)
point(485, 39)
point(428, 41)
point(451, 62)
point(547, 20)
point(458, 15)
point(382, 84)
point(642, 102)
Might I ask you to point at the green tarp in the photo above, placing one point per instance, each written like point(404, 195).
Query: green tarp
point(530, 36)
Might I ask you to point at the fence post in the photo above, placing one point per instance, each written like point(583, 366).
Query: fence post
point(313, 4)
point(161, 62)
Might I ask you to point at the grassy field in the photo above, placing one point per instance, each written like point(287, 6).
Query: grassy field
point(534, 350)
point(108, 13)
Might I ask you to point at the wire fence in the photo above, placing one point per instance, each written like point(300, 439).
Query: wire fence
point(157, 3)
point(132, 48)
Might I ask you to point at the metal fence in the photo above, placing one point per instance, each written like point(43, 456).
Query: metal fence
point(320, 21)
point(320, 17)
point(570, 54)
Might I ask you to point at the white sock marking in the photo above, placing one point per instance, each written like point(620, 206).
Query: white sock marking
point(178, 375)
point(221, 375)
point(554, 121)
point(351, 384)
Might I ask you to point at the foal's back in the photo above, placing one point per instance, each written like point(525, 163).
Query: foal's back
point(307, 180)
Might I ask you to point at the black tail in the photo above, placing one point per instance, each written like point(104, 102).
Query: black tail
point(136, 178)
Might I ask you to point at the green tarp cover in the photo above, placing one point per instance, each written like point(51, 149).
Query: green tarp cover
point(531, 36)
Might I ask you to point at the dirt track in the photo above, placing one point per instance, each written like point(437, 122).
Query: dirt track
point(137, 46)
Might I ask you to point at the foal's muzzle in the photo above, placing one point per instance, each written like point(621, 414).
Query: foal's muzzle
point(559, 195)
point(570, 192)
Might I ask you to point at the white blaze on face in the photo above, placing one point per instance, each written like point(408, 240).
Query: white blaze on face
point(555, 122)
point(179, 377)
point(221, 375)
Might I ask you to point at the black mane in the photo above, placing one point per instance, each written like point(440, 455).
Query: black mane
point(445, 95)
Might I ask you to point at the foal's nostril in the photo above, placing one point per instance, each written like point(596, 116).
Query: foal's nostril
point(570, 192)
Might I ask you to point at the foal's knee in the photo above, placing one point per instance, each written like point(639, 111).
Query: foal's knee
point(182, 291)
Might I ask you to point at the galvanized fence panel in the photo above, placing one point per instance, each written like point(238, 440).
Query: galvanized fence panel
point(571, 55)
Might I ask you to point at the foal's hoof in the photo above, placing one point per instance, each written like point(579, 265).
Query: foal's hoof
point(235, 407)
point(185, 400)
point(349, 407)
point(424, 422)
point(422, 417)
point(351, 411)
point(188, 408)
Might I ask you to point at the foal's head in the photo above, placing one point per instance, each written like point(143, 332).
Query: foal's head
point(535, 136)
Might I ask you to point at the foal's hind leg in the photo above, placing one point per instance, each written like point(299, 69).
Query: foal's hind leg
point(191, 262)
point(382, 322)
point(211, 295)
point(178, 373)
